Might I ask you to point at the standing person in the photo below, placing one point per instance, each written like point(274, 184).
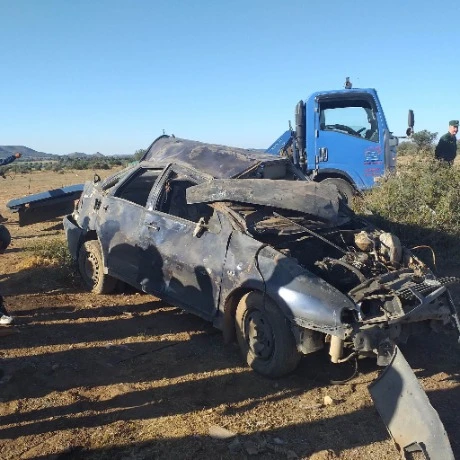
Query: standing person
point(4, 162)
point(446, 150)
point(5, 317)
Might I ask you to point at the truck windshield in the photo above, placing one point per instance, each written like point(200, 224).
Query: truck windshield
point(358, 120)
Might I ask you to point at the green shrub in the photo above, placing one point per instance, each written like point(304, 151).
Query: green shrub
point(420, 203)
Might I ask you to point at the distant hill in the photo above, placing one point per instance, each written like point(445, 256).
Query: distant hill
point(85, 155)
point(26, 152)
point(31, 154)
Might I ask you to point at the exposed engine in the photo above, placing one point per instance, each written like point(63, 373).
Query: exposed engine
point(395, 294)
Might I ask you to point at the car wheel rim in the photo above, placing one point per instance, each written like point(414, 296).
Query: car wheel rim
point(91, 268)
point(259, 335)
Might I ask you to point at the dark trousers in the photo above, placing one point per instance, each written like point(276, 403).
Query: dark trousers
point(3, 310)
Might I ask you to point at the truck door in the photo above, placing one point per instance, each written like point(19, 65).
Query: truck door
point(349, 138)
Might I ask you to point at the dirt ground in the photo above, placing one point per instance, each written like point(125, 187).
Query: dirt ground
point(129, 377)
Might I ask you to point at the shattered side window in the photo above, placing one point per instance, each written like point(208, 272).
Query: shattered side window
point(137, 188)
point(175, 202)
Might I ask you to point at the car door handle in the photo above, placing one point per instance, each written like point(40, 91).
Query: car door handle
point(153, 226)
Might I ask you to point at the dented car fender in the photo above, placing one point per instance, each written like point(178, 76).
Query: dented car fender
point(306, 300)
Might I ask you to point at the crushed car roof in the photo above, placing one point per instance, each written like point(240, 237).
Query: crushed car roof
point(219, 161)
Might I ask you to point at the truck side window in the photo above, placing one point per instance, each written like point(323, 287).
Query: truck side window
point(357, 120)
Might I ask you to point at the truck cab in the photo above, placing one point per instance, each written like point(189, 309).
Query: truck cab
point(341, 136)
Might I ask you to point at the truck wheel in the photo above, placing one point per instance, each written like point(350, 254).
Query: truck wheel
point(91, 268)
point(5, 238)
point(346, 190)
point(264, 336)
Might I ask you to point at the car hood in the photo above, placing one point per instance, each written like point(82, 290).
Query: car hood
point(309, 198)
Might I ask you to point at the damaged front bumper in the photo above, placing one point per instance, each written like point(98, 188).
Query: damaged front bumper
point(74, 235)
point(397, 306)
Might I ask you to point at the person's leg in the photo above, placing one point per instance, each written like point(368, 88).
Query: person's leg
point(5, 317)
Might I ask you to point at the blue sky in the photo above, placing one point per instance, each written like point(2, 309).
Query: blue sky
point(109, 75)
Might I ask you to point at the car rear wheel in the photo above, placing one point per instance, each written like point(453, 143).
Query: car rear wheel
point(346, 190)
point(264, 336)
point(91, 267)
point(5, 238)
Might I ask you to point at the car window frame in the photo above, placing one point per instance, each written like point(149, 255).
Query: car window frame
point(116, 189)
point(154, 202)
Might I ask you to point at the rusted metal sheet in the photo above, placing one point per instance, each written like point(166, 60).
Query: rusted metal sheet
point(407, 412)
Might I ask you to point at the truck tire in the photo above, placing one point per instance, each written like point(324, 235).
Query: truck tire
point(346, 190)
point(264, 336)
point(91, 268)
point(5, 238)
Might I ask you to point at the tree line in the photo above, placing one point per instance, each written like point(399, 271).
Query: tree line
point(63, 163)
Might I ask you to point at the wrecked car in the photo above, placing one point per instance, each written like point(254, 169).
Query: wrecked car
point(244, 240)
point(277, 262)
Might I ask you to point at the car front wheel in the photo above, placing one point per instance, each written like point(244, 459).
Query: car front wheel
point(264, 336)
point(91, 267)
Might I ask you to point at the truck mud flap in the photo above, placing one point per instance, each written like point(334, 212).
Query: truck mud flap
point(410, 418)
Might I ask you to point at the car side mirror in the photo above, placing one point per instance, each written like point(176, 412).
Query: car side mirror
point(410, 123)
point(411, 119)
point(96, 178)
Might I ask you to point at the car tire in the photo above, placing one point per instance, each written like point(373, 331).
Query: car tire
point(264, 336)
point(346, 190)
point(91, 268)
point(5, 238)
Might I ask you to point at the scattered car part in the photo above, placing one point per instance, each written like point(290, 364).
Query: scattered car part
point(45, 206)
point(407, 412)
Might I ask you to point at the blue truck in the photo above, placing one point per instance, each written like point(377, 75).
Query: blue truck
point(341, 137)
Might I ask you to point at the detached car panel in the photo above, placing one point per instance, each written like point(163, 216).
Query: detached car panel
point(45, 206)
